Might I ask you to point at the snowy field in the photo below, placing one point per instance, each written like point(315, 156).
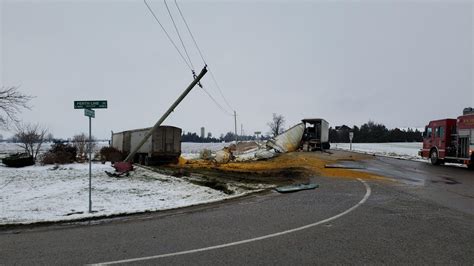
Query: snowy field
point(403, 150)
point(191, 150)
point(49, 193)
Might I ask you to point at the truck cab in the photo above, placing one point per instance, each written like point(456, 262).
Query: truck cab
point(437, 140)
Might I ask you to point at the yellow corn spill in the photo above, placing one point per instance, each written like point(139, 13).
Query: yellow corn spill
point(314, 162)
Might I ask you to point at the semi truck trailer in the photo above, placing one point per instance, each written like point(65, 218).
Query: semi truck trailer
point(163, 146)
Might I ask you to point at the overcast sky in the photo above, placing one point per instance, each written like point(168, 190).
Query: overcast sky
point(400, 63)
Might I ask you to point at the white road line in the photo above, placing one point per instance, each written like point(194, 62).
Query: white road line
point(362, 201)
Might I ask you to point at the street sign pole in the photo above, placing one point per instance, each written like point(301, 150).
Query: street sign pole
point(88, 107)
point(90, 164)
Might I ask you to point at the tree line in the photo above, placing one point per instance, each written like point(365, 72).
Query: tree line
point(228, 137)
point(372, 132)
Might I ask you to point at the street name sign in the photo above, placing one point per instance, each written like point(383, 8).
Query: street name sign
point(88, 107)
point(90, 104)
point(89, 113)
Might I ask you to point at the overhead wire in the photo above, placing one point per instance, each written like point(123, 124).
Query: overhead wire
point(167, 35)
point(217, 103)
point(219, 88)
point(179, 36)
point(202, 56)
point(189, 64)
point(189, 30)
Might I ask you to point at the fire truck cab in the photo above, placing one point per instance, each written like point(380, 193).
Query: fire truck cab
point(450, 140)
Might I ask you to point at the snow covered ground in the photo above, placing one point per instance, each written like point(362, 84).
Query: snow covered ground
point(49, 193)
point(404, 150)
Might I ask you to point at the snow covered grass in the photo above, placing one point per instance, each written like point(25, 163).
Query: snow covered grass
point(403, 150)
point(55, 193)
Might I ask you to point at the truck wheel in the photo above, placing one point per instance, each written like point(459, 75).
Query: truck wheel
point(434, 157)
point(326, 146)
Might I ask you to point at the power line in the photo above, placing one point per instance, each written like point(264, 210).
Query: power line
point(217, 103)
point(190, 33)
point(190, 65)
point(179, 35)
point(219, 88)
point(202, 56)
point(167, 35)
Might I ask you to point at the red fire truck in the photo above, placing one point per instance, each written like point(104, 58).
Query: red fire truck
point(450, 140)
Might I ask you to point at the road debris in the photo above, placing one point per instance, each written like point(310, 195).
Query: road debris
point(297, 187)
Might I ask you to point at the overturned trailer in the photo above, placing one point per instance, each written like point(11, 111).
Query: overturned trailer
point(163, 146)
point(287, 141)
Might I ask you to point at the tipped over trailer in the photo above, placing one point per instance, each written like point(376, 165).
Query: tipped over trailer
point(163, 146)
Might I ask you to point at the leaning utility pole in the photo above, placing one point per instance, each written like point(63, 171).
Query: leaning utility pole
point(171, 109)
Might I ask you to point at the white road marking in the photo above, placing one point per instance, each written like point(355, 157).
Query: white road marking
point(362, 201)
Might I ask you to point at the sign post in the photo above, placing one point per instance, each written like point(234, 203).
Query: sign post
point(257, 133)
point(91, 114)
point(88, 106)
point(351, 135)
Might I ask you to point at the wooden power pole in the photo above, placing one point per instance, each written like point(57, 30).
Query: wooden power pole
point(235, 124)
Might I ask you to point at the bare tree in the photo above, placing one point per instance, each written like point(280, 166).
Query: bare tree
point(81, 142)
point(31, 137)
point(11, 103)
point(276, 125)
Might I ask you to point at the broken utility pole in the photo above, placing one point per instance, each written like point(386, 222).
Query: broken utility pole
point(171, 109)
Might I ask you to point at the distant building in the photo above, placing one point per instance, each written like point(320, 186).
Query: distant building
point(203, 132)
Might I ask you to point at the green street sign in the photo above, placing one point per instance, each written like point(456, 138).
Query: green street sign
point(90, 104)
point(89, 113)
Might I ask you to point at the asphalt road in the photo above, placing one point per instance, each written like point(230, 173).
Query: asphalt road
point(424, 215)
